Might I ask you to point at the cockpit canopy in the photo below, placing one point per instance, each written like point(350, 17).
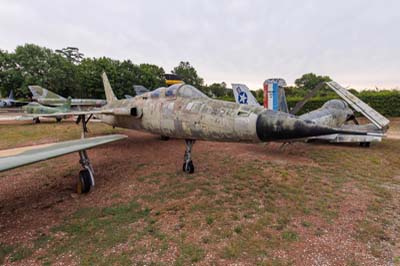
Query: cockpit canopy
point(336, 104)
point(178, 90)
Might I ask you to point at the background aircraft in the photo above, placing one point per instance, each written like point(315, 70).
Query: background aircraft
point(49, 98)
point(38, 109)
point(334, 113)
point(10, 101)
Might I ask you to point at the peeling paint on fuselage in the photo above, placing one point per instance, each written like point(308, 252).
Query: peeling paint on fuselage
point(179, 117)
point(186, 115)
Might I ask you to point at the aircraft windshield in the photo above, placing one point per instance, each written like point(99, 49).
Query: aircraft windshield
point(188, 91)
point(181, 90)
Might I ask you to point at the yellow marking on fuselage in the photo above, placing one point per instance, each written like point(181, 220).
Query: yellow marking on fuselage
point(173, 81)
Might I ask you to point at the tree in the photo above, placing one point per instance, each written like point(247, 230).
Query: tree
point(151, 76)
point(72, 54)
point(188, 74)
point(217, 89)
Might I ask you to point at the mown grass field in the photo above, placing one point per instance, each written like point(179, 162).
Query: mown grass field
point(246, 204)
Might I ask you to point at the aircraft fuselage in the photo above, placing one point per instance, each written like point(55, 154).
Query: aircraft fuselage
point(167, 114)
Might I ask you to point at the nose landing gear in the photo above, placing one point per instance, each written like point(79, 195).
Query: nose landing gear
point(188, 166)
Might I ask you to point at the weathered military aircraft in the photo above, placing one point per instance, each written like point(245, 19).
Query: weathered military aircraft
point(182, 111)
point(38, 109)
point(49, 98)
point(334, 113)
point(10, 101)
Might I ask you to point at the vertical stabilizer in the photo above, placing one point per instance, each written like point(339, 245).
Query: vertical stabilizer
point(41, 93)
point(67, 105)
point(11, 96)
point(110, 96)
point(274, 95)
point(243, 95)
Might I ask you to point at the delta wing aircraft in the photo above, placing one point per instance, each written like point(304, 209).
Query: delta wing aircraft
point(334, 113)
point(182, 111)
point(49, 98)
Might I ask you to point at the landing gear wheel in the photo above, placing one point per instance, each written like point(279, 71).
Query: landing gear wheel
point(58, 119)
point(84, 182)
point(36, 120)
point(188, 167)
point(365, 144)
point(164, 138)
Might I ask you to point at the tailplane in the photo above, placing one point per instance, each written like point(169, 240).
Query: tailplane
point(110, 96)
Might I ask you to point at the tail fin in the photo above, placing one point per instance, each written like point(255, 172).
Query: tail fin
point(243, 95)
point(39, 93)
point(274, 95)
point(67, 104)
point(11, 96)
point(107, 89)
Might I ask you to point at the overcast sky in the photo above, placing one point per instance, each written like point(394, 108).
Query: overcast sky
point(355, 42)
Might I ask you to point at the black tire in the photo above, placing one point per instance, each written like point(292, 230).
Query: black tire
point(84, 182)
point(58, 119)
point(164, 138)
point(188, 167)
point(36, 120)
point(365, 144)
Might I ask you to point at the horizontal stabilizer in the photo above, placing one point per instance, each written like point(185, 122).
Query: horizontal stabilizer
point(376, 118)
point(17, 157)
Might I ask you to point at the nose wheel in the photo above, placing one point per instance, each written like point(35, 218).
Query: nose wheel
point(188, 166)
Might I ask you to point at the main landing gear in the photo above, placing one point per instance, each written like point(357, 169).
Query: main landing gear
point(188, 166)
point(86, 176)
point(365, 144)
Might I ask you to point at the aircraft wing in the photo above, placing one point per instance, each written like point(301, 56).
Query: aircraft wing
point(376, 118)
point(114, 111)
point(17, 157)
point(72, 113)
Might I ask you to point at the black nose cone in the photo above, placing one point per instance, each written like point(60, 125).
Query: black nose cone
point(282, 126)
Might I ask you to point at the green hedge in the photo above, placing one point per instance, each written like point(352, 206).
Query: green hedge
point(385, 102)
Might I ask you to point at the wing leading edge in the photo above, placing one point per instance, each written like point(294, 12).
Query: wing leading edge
point(14, 158)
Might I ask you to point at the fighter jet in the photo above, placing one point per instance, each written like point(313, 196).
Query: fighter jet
point(334, 113)
point(38, 110)
point(49, 98)
point(182, 111)
point(10, 101)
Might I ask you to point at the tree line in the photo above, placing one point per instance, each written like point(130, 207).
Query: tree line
point(68, 72)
